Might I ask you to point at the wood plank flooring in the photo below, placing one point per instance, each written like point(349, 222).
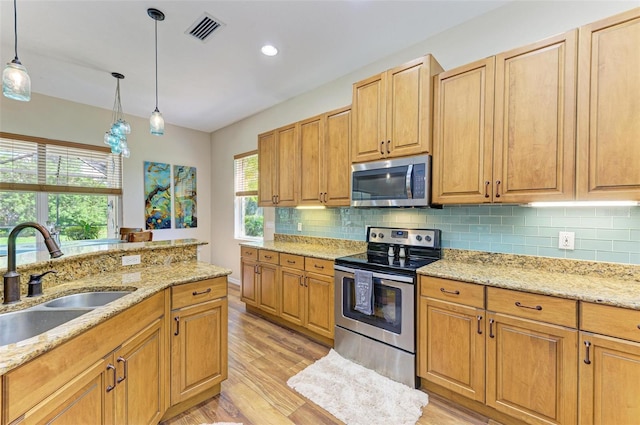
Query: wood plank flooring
point(262, 356)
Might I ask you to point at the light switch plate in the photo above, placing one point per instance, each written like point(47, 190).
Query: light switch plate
point(566, 240)
point(299, 227)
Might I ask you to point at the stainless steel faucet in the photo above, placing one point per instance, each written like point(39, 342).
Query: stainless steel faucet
point(11, 277)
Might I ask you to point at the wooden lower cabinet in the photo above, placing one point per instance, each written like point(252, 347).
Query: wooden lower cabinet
point(453, 342)
point(268, 288)
point(260, 279)
point(532, 370)
point(319, 304)
point(292, 295)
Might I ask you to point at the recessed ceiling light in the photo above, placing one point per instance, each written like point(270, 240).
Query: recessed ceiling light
point(269, 50)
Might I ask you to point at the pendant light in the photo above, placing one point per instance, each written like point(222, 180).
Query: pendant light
point(156, 122)
point(16, 83)
point(116, 136)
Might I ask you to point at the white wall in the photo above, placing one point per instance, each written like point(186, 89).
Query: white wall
point(510, 26)
point(54, 118)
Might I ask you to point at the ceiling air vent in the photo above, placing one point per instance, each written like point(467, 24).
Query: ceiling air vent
point(204, 27)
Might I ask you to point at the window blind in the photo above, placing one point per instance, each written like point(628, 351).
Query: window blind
point(246, 173)
point(44, 165)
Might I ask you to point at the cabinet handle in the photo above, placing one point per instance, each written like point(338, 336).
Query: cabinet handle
point(444, 291)
point(538, 307)
point(306, 282)
point(111, 387)
point(491, 335)
point(300, 279)
point(498, 188)
point(318, 266)
point(486, 188)
point(587, 345)
point(324, 198)
point(126, 369)
point(320, 197)
point(382, 148)
point(388, 145)
point(194, 293)
point(268, 257)
point(273, 199)
point(291, 262)
point(277, 199)
point(479, 321)
point(177, 332)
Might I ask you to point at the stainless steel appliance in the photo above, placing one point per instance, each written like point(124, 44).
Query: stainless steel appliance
point(400, 182)
point(385, 340)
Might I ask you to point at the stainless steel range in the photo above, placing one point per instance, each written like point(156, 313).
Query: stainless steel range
point(382, 337)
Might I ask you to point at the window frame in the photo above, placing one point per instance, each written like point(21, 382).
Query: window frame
point(240, 195)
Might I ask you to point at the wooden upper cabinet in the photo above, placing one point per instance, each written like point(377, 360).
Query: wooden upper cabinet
point(325, 167)
point(392, 111)
point(504, 126)
point(534, 127)
point(277, 156)
point(609, 109)
point(463, 142)
point(267, 169)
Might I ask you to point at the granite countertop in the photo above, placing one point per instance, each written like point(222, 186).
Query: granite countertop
point(327, 249)
point(144, 282)
point(602, 283)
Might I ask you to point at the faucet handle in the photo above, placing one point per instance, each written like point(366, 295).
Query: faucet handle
point(35, 283)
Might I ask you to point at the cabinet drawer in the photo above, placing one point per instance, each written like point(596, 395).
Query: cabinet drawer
point(268, 256)
point(198, 292)
point(317, 265)
point(293, 261)
point(543, 308)
point(612, 321)
point(249, 252)
point(452, 290)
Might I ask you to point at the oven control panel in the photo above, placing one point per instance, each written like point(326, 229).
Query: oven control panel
point(427, 238)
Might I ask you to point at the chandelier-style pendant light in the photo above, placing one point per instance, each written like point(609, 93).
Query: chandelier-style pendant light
point(156, 122)
point(116, 136)
point(16, 83)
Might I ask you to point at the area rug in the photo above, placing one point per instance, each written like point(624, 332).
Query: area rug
point(357, 395)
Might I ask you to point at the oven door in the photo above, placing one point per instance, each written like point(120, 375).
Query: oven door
point(393, 317)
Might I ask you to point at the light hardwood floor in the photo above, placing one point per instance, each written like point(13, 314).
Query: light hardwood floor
point(262, 356)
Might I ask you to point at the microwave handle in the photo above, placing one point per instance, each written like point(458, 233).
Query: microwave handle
point(407, 181)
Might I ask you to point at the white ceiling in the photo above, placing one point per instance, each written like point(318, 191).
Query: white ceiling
point(70, 49)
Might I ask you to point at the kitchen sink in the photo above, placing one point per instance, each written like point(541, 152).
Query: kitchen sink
point(85, 299)
point(25, 324)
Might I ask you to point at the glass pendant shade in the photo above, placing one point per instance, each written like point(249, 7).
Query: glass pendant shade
point(156, 123)
point(116, 136)
point(16, 83)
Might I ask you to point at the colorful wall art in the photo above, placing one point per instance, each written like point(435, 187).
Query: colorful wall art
point(186, 196)
point(157, 195)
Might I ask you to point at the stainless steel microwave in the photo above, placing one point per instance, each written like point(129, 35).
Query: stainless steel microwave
point(400, 182)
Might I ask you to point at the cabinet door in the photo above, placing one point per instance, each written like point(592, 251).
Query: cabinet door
point(319, 302)
point(368, 137)
point(463, 144)
point(311, 151)
point(268, 288)
point(608, 109)
point(532, 370)
point(535, 112)
point(267, 169)
point(198, 349)
point(409, 109)
point(451, 345)
point(249, 283)
point(609, 376)
point(83, 400)
point(141, 376)
point(292, 295)
point(336, 164)
point(287, 154)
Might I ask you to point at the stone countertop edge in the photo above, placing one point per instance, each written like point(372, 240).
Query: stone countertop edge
point(602, 290)
point(145, 282)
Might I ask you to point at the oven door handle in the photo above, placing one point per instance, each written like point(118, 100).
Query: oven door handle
point(384, 276)
point(407, 181)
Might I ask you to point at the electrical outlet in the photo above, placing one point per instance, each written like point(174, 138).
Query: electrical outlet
point(130, 260)
point(299, 227)
point(566, 240)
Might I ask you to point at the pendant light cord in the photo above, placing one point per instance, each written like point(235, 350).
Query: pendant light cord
point(15, 30)
point(156, 33)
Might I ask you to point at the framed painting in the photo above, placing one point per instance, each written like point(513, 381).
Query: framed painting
point(157, 195)
point(186, 196)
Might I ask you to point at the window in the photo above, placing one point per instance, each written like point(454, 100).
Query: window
point(74, 189)
point(248, 216)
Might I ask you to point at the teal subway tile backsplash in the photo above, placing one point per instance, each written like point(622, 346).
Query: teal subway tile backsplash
point(610, 234)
